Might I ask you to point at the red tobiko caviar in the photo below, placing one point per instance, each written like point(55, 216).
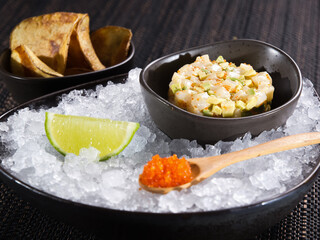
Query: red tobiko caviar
point(166, 172)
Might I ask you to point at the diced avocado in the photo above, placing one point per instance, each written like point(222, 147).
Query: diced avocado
point(240, 79)
point(250, 73)
point(224, 65)
point(206, 86)
point(176, 77)
point(251, 103)
point(207, 112)
point(228, 108)
point(240, 104)
point(205, 71)
point(175, 87)
point(220, 59)
point(251, 91)
point(217, 111)
point(198, 89)
point(234, 79)
point(248, 83)
point(202, 75)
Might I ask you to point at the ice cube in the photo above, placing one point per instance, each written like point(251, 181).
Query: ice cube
point(265, 180)
point(113, 178)
point(113, 195)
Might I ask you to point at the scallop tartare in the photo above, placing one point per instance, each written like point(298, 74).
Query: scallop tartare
point(221, 89)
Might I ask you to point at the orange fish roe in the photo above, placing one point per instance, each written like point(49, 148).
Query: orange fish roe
point(166, 172)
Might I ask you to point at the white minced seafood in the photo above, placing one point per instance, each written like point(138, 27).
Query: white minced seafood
point(221, 89)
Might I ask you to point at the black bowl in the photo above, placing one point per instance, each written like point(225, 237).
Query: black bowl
point(233, 223)
point(178, 123)
point(24, 89)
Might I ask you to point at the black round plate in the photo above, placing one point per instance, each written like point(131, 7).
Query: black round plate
point(234, 223)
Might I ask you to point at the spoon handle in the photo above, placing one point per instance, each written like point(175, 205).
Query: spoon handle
point(210, 165)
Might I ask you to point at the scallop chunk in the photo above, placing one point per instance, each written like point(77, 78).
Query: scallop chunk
point(240, 95)
point(261, 98)
point(183, 98)
point(262, 80)
point(231, 86)
point(269, 92)
point(199, 102)
point(221, 92)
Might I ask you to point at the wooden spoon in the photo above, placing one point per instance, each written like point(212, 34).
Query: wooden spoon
point(203, 168)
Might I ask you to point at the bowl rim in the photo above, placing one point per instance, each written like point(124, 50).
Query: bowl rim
point(15, 180)
point(4, 71)
point(273, 111)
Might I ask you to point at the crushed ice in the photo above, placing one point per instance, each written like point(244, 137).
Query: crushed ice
point(114, 183)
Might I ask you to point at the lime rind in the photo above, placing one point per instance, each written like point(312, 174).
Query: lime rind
point(49, 117)
point(131, 129)
point(129, 136)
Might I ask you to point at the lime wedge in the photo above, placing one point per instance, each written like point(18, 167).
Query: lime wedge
point(68, 134)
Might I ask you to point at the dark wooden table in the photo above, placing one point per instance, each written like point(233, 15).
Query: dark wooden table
point(160, 28)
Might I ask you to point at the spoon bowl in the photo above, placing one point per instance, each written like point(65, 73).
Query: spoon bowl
point(202, 168)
